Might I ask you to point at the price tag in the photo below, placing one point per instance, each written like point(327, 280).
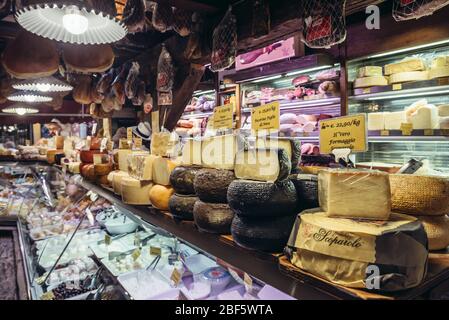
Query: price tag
point(94, 129)
point(48, 296)
point(155, 251)
point(175, 276)
point(366, 90)
point(138, 143)
point(129, 134)
point(110, 145)
point(443, 81)
point(97, 158)
point(397, 86)
point(123, 144)
point(406, 129)
point(104, 143)
point(305, 134)
point(107, 239)
point(429, 132)
point(384, 133)
point(347, 132)
point(223, 117)
point(248, 282)
point(107, 127)
point(93, 196)
point(136, 239)
point(136, 254)
point(265, 116)
point(155, 126)
point(40, 280)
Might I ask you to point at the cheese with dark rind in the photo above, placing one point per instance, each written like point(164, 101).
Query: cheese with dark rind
point(268, 234)
point(181, 206)
point(306, 186)
point(211, 185)
point(437, 229)
point(342, 250)
point(419, 195)
point(182, 178)
point(267, 165)
point(213, 217)
point(292, 146)
point(262, 199)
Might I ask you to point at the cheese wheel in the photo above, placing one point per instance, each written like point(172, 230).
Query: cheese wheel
point(419, 195)
point(406, 65)
point(95, 143)
point(88, 171)
point(162, 168)
point(439, 72)
point(211, 185)
point(102, 169)
point(117, 181)
point(213, 217)
point(51, 155)
point(306, 186)
point(182, 178)
point(160, 196)
point(111, 176)
point(135, 192)
point(437, 229)
point(181, 207)
point(370, 82)
point(87, 156)
point(103, 180)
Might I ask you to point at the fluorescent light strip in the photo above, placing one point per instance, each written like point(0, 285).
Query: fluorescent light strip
point(428, 45)
point(308, 70)
point(420, 94)
point(199, 92)
point(267, 79)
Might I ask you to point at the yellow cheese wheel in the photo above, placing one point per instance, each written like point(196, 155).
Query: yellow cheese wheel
point(88, 171)
point(437, 229)
point(103, 169)
point(160, 195)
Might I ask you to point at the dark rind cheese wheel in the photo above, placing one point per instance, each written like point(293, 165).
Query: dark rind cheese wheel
point(264, 234)
point(306, 186)
point(437, 229)
point(263, 199)
point(181, 179)
point(211, 185)
point(87, 156)
point(212, 217)
point(181, 206)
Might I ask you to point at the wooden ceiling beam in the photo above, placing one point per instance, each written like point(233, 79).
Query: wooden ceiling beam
point(192, 6)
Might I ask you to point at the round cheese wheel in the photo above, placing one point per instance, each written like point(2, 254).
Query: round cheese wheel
point(181, 206)
point(95, 143)
point(103, 180)
point(160, 196)
point(102, 169)
point(306, 186)
point(181, 179)
point(87, 156)
point(211, 185)
point(437, 229)
point(263, 199)
point(111, 176)
point(212, 217)
point(88, 171)
point(264, 234)
point(135, 192)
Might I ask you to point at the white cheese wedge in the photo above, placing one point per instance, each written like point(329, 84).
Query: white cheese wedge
point(439, 72)
point(355, 193)
point(393, 120)
point(409, 76)
point(370, 82)
point(376, 121)
point(406, 65)
point(440, 62)
point(425, 117)
point(123, 159)
point(162, 167)
point(369, 71)
point(135, 192)
point(443, 110)
point(219, 152)
point(140, 166)
point(191, 152)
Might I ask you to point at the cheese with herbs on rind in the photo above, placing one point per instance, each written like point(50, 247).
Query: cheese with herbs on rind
point(211, 185)
point(181, 206)
point(213, 217)
point(182, 178)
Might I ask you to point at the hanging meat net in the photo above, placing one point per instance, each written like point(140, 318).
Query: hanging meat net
point(415, 9)
point(224, 43)
point(182, 23)
point(324, 23)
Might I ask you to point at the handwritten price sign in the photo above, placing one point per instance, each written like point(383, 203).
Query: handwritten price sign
point(265, 117)
point(343, 132)
point(223, 117)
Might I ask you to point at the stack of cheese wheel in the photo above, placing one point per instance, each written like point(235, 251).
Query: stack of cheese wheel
point(407, 70)
point(95, 172)
point(427, 198)
point(183, 200)
point(370, 76)
point(264, 199)
point(211, 212)
point(354, 229)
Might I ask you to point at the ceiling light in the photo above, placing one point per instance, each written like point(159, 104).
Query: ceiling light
point(24, 96)
point(71, 21)
point(20, 110)
point(308, 70)
point(423, 46)
point(48, 84)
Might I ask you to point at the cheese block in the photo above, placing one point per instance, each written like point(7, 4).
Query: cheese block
point(213, 217)
point(51, 155)
point(134, 191)
point(409, 76)
point(117, 181)
point(437, 229)
point(443, 110)
point(269, 234)
point(93, 143)
point(268, 165)
point(369, 71)
point(406, 65)
point(160, 196)
point(191, 152)
point(306, 186)
point(393, 120)
point(74, 167)
point(182, 178)
point(87, 156)
point(211, 185)
point(440, 62)
point(292, 146)
point(262, 199)
point(219, 152)
point(164, 144)
point(354, 193)
point(123, 159)
point(425, 117)
point(162, 168)
point(444, 123)
point(376, 121)
point(347, 252)
point(439, 72)
point(140, 165)
point(419, 195)
point(181, 206)
point(370, 82)
point(102, 169)
point(111, 176)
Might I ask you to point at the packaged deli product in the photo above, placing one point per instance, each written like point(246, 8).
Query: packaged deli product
point(347, 251)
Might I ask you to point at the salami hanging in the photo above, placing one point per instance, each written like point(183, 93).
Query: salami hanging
point(415, 9)
point(224, 43)
point(165, 77)
point(324, 23)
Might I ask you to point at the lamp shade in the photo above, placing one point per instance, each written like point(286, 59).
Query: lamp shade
point(20, 110)
point(72, 21)
point(29, 96)
point(47, 84)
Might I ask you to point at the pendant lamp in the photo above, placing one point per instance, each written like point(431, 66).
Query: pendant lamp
point(30, 97)
point(47, 84)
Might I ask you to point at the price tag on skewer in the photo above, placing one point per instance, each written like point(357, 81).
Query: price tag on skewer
point(48, 296)
point(175, 276)
point(136, 254)
point(155, 251)
point(107, 239)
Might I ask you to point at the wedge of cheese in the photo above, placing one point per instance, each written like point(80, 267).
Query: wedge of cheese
point(370, 82)
point(376, 121)
point(219, 152)
point(140, 166)
point(162, 168)
point(291, 146)
point(369, 71)
point(406, 65)
point(123, 159)
point(409, 76)
point(135, 192)
point(191, 152)
point(393, 120)
point(440, 62)
point(355, 193)
point(439, 72)
point(425, 117)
